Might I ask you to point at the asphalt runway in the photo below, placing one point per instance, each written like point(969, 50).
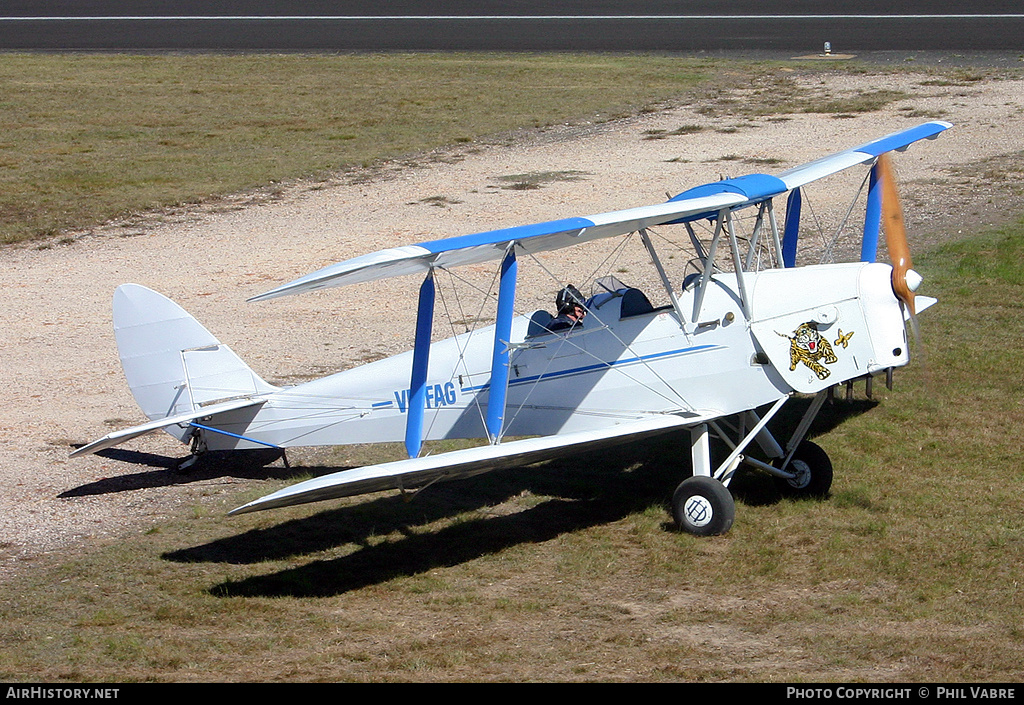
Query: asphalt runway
point(503, 25)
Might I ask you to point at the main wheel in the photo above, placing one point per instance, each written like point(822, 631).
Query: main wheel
point(813, 472)
point(703, 506)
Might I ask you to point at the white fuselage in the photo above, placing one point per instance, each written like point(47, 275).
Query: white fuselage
point(611, 369)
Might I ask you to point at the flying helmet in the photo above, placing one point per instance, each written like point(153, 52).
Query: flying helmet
point(567, 298)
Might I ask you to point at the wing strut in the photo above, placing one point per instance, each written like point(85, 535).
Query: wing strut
point(420, 359)
point(502, 337)
point(709, 266)
point(755, 236)
point(872, 217)
point(724, 225)
point(737, 265)
point(645, 238)
point(792, 232)
point(776, 243)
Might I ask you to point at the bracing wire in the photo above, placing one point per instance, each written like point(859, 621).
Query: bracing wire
point(828, 254)
point(626, 346)
point(451, 302)
point(470, 327)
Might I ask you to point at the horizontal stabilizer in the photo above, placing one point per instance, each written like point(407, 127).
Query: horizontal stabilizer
point(417, 472)
point(118, 437)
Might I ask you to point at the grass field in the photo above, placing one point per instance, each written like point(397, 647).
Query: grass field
point(88, 137)
point(909, 572)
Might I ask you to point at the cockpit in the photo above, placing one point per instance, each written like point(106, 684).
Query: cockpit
point(607, 293)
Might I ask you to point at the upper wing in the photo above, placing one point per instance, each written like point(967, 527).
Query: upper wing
point(552, 235)
point(417, 472)
point(492, 245)
point(118, 437)
point(834, 163)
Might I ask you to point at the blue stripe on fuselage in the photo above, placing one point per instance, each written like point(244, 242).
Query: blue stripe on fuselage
point(599, 366)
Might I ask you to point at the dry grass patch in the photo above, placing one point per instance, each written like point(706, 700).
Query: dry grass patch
point(91, 137)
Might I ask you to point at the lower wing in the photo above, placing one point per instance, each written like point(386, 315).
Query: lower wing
point(417, 472)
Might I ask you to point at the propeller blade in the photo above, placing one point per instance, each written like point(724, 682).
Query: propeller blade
point(896, 236)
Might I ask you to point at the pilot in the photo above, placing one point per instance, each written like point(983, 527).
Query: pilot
point(571, 309)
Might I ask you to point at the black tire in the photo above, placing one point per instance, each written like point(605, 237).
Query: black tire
point(703, 506)
point(813, 469)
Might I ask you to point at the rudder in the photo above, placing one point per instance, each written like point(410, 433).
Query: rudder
point(172, 363)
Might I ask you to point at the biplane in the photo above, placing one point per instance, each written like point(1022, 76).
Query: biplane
point(724, 349)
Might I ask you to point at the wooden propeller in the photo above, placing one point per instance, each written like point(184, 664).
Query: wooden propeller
point(896, 237)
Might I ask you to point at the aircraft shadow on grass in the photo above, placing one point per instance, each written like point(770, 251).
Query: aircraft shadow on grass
point(250, 464)
point(590, 490)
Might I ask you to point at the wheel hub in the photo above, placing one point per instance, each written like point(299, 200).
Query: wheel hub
point(699, 510)
point(801, 474)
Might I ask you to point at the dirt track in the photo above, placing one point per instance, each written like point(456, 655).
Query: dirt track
point(63, 380)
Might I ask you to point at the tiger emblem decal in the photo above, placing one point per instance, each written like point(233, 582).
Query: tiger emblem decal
point(807, 346)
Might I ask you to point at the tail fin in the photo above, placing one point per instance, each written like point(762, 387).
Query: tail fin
point(172, 363)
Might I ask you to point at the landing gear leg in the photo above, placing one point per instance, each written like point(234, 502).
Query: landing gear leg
point(702, 505)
